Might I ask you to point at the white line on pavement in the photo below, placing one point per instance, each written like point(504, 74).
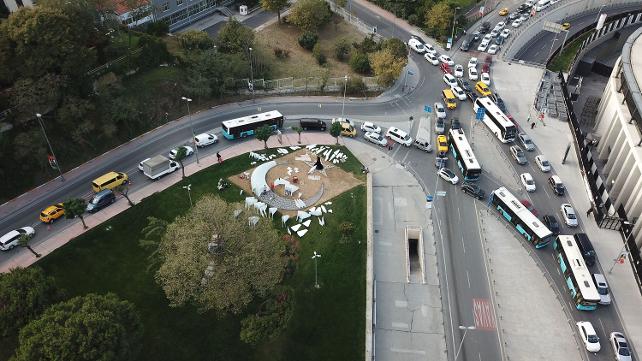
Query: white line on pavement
point(468, 278)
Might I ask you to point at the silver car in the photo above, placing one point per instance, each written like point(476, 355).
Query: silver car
point(518, 154)
point(526, 141)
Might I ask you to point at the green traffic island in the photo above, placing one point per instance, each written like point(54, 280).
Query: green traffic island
point(205, 284)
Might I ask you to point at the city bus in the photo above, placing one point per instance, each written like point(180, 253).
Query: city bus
point(515, 213)
point(463, 154)
point(245, 126)
point(576, 274)
point(496, 120)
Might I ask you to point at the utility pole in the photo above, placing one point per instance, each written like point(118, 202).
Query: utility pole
point(345, 86)
point(189, 115)
point(251, 73)
point(316, 279)
point(42, 126)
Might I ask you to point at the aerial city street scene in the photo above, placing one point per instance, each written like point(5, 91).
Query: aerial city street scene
point(316, 180)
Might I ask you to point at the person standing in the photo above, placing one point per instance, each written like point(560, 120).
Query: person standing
point(219, 158)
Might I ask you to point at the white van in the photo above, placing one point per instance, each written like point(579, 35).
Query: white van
point(542, 4)
point(399, 136)
point(424, 135)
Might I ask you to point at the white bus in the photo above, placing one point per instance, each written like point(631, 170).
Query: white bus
point(496, 120)
point(576, 275)
point(520, 217)
point(463, 154)
point(245, 126)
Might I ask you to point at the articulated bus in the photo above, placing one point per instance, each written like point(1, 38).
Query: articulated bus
point(577, 276)
point(519, 216)
point(463, 154)
point(496, 120)
point(245, 126)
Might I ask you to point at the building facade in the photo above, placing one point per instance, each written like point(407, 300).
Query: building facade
point(619, 126)
point(14, 5)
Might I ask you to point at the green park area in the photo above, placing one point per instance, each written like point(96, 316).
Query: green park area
point(325, 323)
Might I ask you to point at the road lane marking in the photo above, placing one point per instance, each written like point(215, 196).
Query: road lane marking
point(403, 350)
point(483, 314)
point(468, 278)
point(463, 245)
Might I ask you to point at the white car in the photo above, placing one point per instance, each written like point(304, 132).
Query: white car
point(448, 175)
point(459, 71)
point(430, 49)
point(188, 151)
point(487, 38)
point(505, 33)
point(459, 93)
point(376, 138)
point(493, 49)
point(140, 165)
point(12, 239)
point(472, 73)
point(494, 33)
point(602, 288)
point(370, 127)
point(568, 214)
point(431, 58)
point(500, 25)
point(417, 46)
point(542, 163)
point(472, 63)
point(620, 346)
point(440, 110)
point(483, 45)
point(446, 60)
point(517, 23)
point(528, 182)
point(588, 336)
point(485, 78)
point(450, 80)
point(205, 139)
point(344, 120)
point(526, 141)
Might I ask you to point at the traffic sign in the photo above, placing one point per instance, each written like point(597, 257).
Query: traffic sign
point(441, 193)
point(427, 109)
point(481, 111)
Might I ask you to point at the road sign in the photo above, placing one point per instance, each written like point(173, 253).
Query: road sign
point(552, 27)
point(440, 193)
point(427, 109)
point(481, 111)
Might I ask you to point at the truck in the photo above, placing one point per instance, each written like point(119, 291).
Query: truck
point(158, 166)
point(423, 140)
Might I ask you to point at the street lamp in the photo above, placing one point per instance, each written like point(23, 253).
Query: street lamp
point(42, 126)
point(251, 73)
point(624, 248)
point(189, 193)
point(465, 328)
point(191, 126)
point(345, 86)
point(316, 279)
point(452, 34)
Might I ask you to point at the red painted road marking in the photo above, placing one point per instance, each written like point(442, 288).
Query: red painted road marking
point(483, 313)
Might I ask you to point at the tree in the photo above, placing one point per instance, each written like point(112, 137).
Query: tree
point(396, 46)
point(195, 39)
point(90, 327)
point(24, 294)
point(274, 5)
point(342, 49)
point(264, 133)
point(359, 62)
point(216, 261)
point(181, 154)
point(234, 37)
point(298, 131)
point(271, 319)
point(24, 240)
point(75, 208)
point(438, 18)
point(386, 66)
point(335, 130)
point(317, 52)
point(310, 15)
point(123, 190)
point(308, 40)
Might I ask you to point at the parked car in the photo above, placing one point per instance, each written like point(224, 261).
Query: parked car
point(602, 288)
point(568, 215)
point(431, 58)
point(494, 33)
point(188, 151)
point(442, 144)
point(542, 163)
point(441, 162)
point(526, 141)
point(528, 182)
point(503, 12)
point(205, 139)
point(518, 154)
point(465, 44)
point(51, 213)
point(499, 40)
point(620, 346)
point(101, 200)
point(505, 33)
point(530, 207)
point(376, 138)
point(588, 336)
point(312, 124)
point(551, 223)
point(556, 185)
point(417, 46)
point(370, 127)
point(430, 49)
point(12, 239)
point(483, 45)
point(500, 25)
point(448, 175)
point(450, 80)
point(446, 60)
point(455, 124)
point(445, 68)
point(485, 78)
point(459, 71)
point(472, 62)
point(399, 136)
point(440, 111)
point(472, 73)
point(465, 85)
point(517, 23)
point(493, 49)
point(485, 27)
point(513, 16)
point(473, 190)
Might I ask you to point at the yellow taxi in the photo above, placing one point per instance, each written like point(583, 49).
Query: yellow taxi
point(442, 144)
point(566, 26)
point(52, 213)
point(483, 89)
point(503, 12)
point(348, 130)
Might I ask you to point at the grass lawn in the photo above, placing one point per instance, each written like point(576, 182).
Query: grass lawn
point(563, 61)
point(327, 324)
point(301, 63)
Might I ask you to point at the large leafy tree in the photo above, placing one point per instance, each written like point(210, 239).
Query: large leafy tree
point(310, 15)
point(90, 327)
point(24, 294)
point(386, 66)
point(216, 261)
point(76, 208)
point(274, 5)
point(438, 18)
point(235, 37)
point(263, 133)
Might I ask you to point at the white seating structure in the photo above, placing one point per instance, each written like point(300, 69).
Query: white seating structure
point(272, 210)
point(261, 208)
point(250, 201)
point(284, 219)
point(252, 221)
point(257, 179)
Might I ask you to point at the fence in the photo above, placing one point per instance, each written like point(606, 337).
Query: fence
point(100, 69)
point(355, 21)
point(302, 85)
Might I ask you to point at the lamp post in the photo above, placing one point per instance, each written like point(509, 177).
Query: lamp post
point(345, 86)
point(624, 248)
point(465, 328)
point(251, 73)
point(42, 126)
point(452, 33)
point(191, 126)
point(316, 279)
point(189, 193)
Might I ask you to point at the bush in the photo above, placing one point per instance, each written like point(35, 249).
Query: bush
point(157, 28)
point(355, 86)
point(308, 39)
point(359, 62)
point(318, 54)
point(413, 19)
point(342, 50)
point(281, 53)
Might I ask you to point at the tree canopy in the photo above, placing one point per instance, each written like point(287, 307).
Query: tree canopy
point(90, 327)
point(274, 5)
point(235, 37)
point(438, 18)
point(310, 15)
point(216, 261)
point(263, 133)
point(386, 66)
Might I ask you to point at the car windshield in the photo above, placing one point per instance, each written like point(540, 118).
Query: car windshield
point(449, 173)
point(603, 290)
point(570, 215)
point(94, 200)
point(545, 163)
point(624, 351)
point(592, 338)
point(530, 182)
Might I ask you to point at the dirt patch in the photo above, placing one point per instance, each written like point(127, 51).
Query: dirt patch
point(335, 181)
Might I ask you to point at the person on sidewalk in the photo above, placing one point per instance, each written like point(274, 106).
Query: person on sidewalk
point(588, 213)
point(532, 125)
point(219, 158)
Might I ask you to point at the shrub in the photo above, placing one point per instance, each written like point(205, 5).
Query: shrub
point(342, 50)
point(359, 62)
point(318, 54)
point(308, 39)
point(281, 53)
point(413, 19)
point(157, 28)
point(355, 86)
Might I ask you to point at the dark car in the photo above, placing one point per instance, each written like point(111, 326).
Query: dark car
point(551, 223)
point(556, 184)
point(473, 190)
point(101, 200)
point(530, 207)
point(513, 16)
point(465, 44)
point(472, 96)
point(455, 124)
point(500, 104)
point(586, 248)
point(418, 38)
point(500, 40)
point(312, 124)
point(464, 85)
point(475, 37)
point(485, 27)
point(441, 162)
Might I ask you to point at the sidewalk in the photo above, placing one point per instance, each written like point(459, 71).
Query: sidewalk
point(22, 257)
point(554, 136)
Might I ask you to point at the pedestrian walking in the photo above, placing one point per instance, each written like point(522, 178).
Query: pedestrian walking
point(588, 213)
point(532, 125)
point(219, 158)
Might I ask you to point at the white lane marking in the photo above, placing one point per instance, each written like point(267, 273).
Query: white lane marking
point(403, 350)
point(459, 212)
point(468, 278)
point(443, 256)
point(547, 194)
point(463, 245)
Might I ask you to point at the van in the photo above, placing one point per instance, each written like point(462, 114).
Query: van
point(101, 200)
point(399, 136)
point(542, 4)
point(449, 98)
point(423, 139)
point(110, 180)
point(586, 248)
point(312, 124)
point(602, 288)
